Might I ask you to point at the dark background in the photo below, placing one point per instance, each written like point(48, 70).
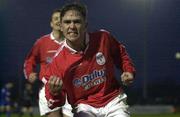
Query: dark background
point(150, 29)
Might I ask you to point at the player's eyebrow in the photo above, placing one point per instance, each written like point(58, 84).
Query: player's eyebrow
point(70, 21)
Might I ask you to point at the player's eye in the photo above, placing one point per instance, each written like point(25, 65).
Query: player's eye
point(67, 21)
point(77, 21)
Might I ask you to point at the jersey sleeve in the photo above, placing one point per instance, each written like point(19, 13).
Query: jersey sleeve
point(120, 56)
point(58, 99)
point(32, 59)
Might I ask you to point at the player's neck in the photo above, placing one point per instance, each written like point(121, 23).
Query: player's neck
point(57, 35)
point(78, 46)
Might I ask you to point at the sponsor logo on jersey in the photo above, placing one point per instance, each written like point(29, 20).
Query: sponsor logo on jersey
point(100, 59)
point(90, 80)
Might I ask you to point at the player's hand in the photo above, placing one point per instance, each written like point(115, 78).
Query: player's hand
point(127, 78)
point(32, 77)
point(55, 85)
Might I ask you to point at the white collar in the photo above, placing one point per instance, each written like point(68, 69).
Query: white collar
point(53, 38)
point(75, 51)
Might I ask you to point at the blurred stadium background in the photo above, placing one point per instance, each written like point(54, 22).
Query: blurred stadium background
point(150, 29)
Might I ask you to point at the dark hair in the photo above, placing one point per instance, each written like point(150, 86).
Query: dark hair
point(55, 11)
point(74, 6)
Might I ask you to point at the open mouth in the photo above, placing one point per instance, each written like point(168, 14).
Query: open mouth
point(57, 24)
point(73, 32)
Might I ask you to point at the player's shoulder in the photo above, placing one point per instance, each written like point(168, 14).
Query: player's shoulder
point(104, 31)
point(100, 32)
point(43, 39)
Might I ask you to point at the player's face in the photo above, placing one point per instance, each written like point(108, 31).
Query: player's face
point(73, 26)
point(55, 21)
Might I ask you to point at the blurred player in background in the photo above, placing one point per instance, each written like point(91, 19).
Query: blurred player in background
point(87, 73)
point(27, 100)
point(42, 54)
point(6, 103)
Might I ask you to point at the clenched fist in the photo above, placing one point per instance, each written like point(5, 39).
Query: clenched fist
point(55, 85)
point(127, 78)
point(32, 77)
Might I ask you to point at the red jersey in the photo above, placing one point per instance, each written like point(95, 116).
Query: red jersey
point(41, 54)
point(89, 77)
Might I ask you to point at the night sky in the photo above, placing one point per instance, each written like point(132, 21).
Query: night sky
point(150, 30)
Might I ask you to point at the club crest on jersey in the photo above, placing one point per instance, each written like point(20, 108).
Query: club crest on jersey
point(48, 60)
point(100, 59)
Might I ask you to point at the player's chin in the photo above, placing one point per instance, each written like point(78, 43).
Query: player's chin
point(128, 83)
point(73, 39)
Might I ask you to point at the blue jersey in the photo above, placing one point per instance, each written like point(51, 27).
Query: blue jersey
point(5, 97)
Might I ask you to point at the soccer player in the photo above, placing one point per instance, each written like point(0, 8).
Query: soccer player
point(42, 54)
point(27, 101)
point(27, 105)
point(87, 73)
point(6, 99)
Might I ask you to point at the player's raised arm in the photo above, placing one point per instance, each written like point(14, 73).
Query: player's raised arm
point(122, 61)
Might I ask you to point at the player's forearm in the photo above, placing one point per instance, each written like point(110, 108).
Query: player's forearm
point(128, 66)
point(29, 67)
point(125, 61)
